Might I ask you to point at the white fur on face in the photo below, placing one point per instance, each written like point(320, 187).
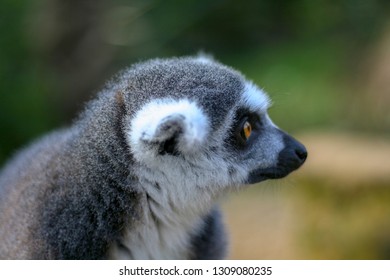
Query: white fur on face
point(255, 99)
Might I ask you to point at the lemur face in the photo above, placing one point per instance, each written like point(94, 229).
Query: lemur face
point(269, 152)
point(208, 128)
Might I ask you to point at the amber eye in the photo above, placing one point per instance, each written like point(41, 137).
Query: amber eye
point(246, 130)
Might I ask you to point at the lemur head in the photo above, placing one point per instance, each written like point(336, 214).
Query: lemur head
point(196, 126)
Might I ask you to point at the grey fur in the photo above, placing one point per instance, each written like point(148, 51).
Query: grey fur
point(139, 173)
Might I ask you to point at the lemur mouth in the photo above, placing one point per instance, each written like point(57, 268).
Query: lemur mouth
point(290, 158)
point(263, 174)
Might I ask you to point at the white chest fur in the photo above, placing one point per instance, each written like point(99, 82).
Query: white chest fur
point(159, 235)
point(150, 242)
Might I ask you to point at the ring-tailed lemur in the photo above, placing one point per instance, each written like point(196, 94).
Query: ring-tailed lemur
point(138, 174)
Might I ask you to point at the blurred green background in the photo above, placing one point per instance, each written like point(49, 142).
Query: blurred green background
point(325, 63)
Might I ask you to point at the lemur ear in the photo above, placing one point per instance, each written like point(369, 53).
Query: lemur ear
point(205, 57)
point(167, 134)
point(168, 127)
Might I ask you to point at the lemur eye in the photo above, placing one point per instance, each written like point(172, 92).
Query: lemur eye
point(246, 130)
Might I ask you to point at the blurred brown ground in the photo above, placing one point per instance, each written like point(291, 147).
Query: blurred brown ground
point(337, 206)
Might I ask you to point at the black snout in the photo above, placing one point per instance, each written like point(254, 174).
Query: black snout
point(301, 153)
point(292, 156)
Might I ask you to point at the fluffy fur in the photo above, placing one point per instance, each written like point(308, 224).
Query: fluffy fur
point(137, 176)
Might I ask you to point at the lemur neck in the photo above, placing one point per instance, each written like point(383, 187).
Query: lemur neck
point(165, 230)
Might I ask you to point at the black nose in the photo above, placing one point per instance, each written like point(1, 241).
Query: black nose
point(300, 152)
point(293, 155)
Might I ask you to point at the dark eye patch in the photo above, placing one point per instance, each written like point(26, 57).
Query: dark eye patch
point(244, 120)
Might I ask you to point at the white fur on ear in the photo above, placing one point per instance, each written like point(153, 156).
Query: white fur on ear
point(205, 58)
point(162, 120)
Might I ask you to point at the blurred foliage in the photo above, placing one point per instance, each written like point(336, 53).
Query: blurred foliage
point(345, 223)
point(24, 110)
point(316, 219)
